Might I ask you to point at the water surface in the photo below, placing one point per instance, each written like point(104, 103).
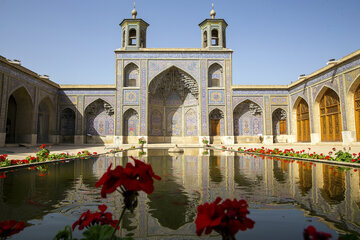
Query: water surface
point(284, 197)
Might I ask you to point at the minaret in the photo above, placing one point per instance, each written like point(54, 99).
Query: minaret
point(133, 32)
point(213, 32)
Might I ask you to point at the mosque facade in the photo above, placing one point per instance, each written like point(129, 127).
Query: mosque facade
point(180, 96)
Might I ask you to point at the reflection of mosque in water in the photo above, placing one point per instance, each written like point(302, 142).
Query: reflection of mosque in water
point(192, 180)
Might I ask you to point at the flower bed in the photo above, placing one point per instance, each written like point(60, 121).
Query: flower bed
point(335, 155)
point(43, 155)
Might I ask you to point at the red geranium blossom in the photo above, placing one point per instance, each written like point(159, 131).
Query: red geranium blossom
point(310, 233)
point(8, 228)
point(138, 177)
point(226, 218)
point(208, 217)
point(88, 219)
point(42, 146)
point(111, 180)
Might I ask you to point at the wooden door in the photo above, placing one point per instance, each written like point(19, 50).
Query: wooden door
point(303, 123)
point(282, 124)
point(215, 127)
point(357, 112)
point(330, 117)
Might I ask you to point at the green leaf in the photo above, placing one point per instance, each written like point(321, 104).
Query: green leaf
point(65, 234)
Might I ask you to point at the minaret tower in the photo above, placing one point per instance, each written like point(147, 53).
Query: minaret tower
point(213, 32)
point(133, 32)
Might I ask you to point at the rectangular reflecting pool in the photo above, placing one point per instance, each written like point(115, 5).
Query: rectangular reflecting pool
point(284, 196)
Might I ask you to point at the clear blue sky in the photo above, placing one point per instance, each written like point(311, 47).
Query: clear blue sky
point(273, 40)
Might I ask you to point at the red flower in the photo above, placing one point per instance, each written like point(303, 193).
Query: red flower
point(2, 175)
point(14, 162)
point(310, 233)
point(208, 217)
point(111, 180)
point(8, 228)
point(139, 177)
point(226, 218)
point(88, 219)
point(42, 146)
point(131, 178)
point(95, 153)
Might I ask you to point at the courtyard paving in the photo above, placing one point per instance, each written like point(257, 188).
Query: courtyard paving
point(15, 152)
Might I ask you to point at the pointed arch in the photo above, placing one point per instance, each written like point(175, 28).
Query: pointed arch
point(173, 65)
point(215, 75)
point(132, 37)
point(279, 123)
point(99, 118)
point(214, 37)
point(242, 100)
point(322, 91)
point(19, 118)
point(131, 75)
point(216, 124)
point(205, 40)
point(92, 100)
point(327, 111)
point(22, 86)
point(131, 122)
point(171, 93)
point(300, 118)
point(248, 119)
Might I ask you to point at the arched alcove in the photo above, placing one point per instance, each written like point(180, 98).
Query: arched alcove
point(131, 75)
point(279, 125)
point(132, 37)
point(214, 37)
point(205, 39)
point(248, 122)
point(215, 75)
point(302, 120)
point(330, 117)
point(131, 126)
point(99, 118)
point(327, 115)
point(19, 121)
point(171, 94)
point(216, 125)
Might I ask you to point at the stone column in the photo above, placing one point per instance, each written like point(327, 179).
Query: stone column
point(229, 139)
point(80, 131)
point(34, 128)
point(204, 115)
point(118, 139)
point(143, 101)
point(268, 137)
